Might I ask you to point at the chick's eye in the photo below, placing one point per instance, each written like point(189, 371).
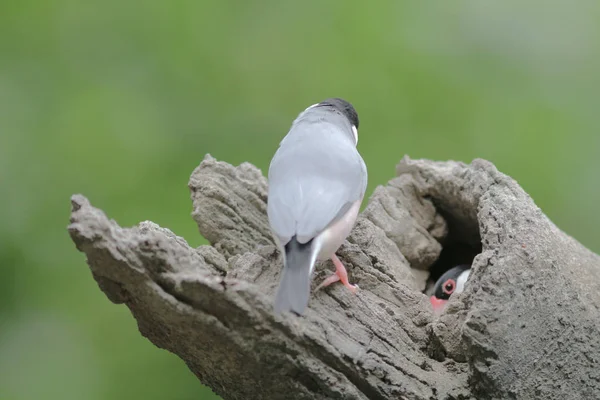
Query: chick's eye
point(449, 286)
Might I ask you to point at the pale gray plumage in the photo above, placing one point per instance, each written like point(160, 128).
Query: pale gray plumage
point(315, 176)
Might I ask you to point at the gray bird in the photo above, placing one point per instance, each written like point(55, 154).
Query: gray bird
point(317, 180)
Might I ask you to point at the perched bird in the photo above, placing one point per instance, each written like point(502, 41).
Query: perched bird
point(452, 281)
point(317, 180)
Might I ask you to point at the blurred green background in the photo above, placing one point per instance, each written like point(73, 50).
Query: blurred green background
point(120, 100)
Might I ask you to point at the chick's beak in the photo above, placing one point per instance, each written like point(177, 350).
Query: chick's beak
point(438, 304)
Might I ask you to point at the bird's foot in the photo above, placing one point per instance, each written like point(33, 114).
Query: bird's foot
point(339, 275)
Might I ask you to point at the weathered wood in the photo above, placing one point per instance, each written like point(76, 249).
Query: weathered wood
point(527, 325)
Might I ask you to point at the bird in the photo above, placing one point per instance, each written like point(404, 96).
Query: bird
point(451, 282)
point(316, 183)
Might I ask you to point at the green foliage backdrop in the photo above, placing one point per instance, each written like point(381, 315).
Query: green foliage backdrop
point(120, 100)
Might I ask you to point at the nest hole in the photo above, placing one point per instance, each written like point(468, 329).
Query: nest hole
point(460, 246)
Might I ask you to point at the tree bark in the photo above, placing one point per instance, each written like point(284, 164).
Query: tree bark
point(526, 327)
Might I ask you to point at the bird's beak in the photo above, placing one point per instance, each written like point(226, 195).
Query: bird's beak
point(438, 304)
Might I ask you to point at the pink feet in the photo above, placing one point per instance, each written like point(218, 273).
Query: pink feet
point(339, 275)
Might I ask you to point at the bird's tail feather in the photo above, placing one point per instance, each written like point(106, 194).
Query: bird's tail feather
point(294, 287)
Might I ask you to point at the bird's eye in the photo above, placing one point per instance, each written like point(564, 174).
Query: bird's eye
point(449, 286)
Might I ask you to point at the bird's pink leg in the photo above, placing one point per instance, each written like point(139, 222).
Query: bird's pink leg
point(339, 275)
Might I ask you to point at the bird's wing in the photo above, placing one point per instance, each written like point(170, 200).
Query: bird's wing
point(311, 184)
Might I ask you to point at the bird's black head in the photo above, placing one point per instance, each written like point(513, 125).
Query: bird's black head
point(343, 107)
point(449, 282)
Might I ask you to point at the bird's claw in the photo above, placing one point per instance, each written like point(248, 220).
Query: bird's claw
point(340, 274)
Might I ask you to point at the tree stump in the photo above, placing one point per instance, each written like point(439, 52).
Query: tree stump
point(527, 325)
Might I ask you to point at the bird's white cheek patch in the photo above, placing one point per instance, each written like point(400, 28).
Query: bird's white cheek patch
point(460, 282)
point(355, 132)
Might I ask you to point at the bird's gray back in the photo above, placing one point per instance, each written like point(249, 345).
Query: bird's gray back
point(315, 173)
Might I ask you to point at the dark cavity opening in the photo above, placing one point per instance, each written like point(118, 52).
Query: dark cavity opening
point(460, 246)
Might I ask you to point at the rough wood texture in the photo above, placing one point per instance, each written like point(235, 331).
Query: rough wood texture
point(526, 327)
